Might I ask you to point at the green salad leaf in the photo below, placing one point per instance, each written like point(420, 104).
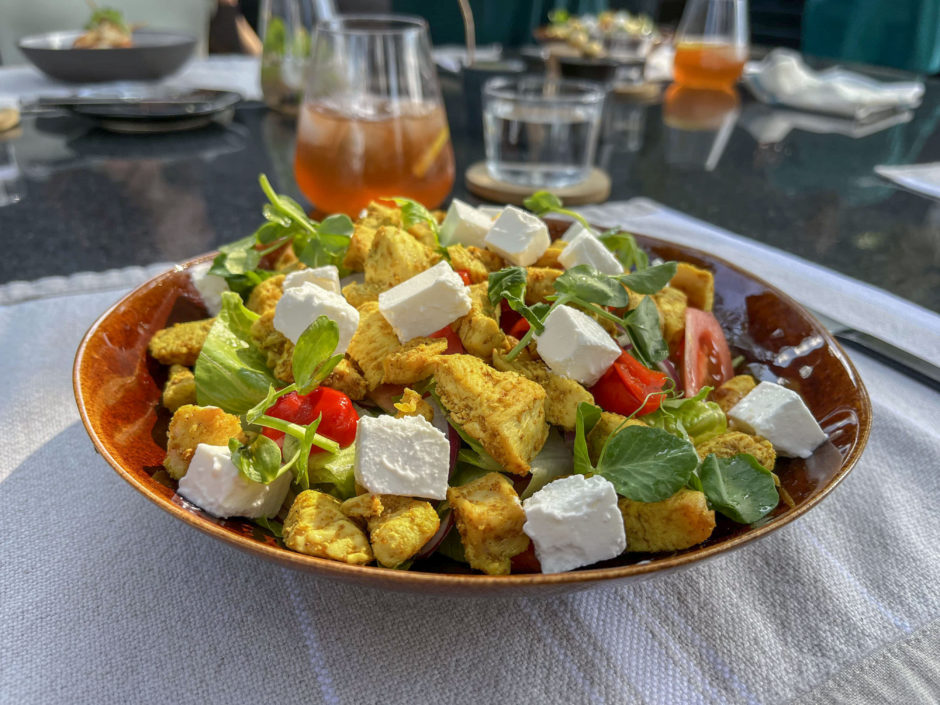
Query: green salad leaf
point(646, 464)
point(552, 462)
point(315, 244)
point(510, 284)
point(587, 417)
point(336, 469)
point(275, 527)
point(414, 213)
point(231, 371)
point(584, 285)
point(740, 488)
point(275, 37)
point(625, 248)
point(621, 243)
point(693, 418)
point(259, 462)
point(651, 279)
point(544, 202)
point(642, 325)
point(313, 358)
point(106, 15)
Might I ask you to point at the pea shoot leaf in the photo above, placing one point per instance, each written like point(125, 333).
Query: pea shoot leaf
point(542, 202)
point(258, 462)
point(625, 249)
point(413, 213)
point(510, 284)
point(339, 225)
point(739, 487)
point(587, 417)
point(642, 324)
point(646, 464)
point(313, 358)
point(651, 279)
point(271, 525)
point(588, 285)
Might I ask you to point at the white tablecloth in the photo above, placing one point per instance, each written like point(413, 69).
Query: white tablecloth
point(106, 599)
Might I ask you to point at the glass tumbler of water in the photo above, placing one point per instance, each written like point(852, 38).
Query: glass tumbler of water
point(541, 132)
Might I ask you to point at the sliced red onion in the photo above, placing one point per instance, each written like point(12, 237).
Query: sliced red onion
point(455, 440)
point(447, 523)
point(668, 368)
point(384, 397)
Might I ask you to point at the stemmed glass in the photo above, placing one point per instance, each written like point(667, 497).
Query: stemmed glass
point(372, 123)
point(711, 44)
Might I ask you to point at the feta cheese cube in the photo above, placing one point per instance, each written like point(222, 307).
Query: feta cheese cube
point(518, 237)
point(575, 230)
point(575, 345)
point(302, 305)
point(214, 484)
point(210, 286)
point(406, 457)
point(326, 277)
point(491, 212)
point(574, 522)
point(587, 249)
point(465, 225)
point(779, 415)
point(425, 303)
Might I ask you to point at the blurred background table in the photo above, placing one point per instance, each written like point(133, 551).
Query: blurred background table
point(90, 200)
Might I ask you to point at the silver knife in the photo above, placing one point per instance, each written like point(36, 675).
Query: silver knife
point(885, 352)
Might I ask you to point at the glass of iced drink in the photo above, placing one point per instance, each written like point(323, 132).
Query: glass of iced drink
point(372, 124)
point(711, 44)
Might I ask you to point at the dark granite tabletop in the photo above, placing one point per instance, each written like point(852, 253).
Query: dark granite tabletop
point(91, 200)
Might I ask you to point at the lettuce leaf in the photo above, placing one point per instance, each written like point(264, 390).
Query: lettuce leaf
point(231, 371)
point(335, 469)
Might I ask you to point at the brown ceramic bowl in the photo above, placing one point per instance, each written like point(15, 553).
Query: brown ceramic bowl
point(117, 387)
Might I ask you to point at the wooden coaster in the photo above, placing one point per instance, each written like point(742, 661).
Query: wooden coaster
point(9, 118)
point(594, 189)
point(639, 92)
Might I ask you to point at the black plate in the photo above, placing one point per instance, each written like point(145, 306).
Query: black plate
point(154, 54)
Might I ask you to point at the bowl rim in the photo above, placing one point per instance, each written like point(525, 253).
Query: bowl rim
point(385, 578)
point(28, 43)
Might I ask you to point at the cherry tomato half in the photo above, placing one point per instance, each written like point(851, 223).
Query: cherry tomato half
point(706, 359)
point(454, 346)
point(626, 385)
point(519, 328)
point(507, 317)
point(525, 562)
point(339, 417)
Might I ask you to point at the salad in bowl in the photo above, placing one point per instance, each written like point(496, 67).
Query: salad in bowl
point(416, 387)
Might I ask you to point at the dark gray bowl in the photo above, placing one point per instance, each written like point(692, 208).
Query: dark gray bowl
point(155, 54)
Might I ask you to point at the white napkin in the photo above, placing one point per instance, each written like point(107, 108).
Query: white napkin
point(784, 78)
point(658, 65)
point(922, 178)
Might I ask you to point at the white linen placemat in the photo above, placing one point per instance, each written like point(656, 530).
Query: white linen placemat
point(223, 72)
point(106, 599)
